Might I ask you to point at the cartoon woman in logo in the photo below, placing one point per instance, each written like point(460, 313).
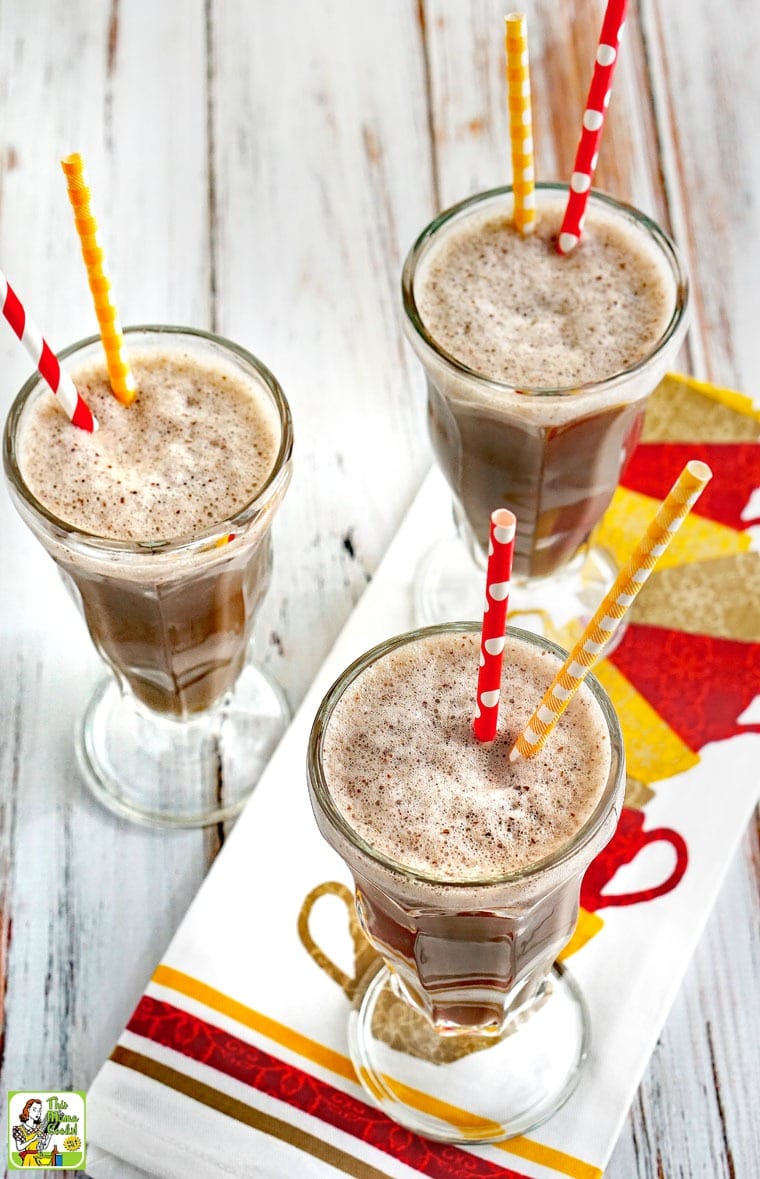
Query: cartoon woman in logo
point(29, 1135)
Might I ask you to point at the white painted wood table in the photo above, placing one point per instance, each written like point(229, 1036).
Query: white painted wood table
point(263, 168)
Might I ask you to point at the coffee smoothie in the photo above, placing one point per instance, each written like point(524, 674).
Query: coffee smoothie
point(193, 449)
point(167, 553)
point(406, 772)
point(539, 364)
point(463, 862)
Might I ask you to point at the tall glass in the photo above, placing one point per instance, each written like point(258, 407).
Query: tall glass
point(180, 732)
point(554, 456)
point(489, 1027)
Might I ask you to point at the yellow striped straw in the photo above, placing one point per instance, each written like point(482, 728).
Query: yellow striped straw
point(671, 514)
point(520, 122)
point(119, 372)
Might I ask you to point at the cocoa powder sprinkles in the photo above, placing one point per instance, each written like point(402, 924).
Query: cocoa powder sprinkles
point(434, 798)
point(511, 308)
point(194, 448)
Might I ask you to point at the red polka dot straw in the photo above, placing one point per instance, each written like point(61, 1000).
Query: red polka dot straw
point(56, 378)
point(587, 155)
point(498, 573)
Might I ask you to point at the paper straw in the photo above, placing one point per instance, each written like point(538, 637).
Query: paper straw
point(119, 372)
point(45, 359)
point(587, 155)
point(672, 512)
point(520, 122)
point(500, 549)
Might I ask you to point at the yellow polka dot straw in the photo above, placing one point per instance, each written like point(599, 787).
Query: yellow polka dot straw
point(119, 372)
point(520, 122)
point(671, 514)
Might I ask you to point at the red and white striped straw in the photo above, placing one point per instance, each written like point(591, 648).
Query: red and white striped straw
point(57, 379)
point(587, 155)
point(498, 573)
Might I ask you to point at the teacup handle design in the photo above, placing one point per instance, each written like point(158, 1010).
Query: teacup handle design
point(666, 835)
point(363, 952)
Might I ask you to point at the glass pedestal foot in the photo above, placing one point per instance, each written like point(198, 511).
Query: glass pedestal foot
point(163, 772)
point(468, 1088)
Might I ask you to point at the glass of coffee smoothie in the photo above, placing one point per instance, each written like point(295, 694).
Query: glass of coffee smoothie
point(467, 872)
point(538, 370)
point(159, 523)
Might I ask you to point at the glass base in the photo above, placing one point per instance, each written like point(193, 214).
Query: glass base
point(467, 1088)
point(180, 773)
point(450, 587)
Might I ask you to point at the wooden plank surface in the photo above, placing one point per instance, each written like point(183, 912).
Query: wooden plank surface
point(318, 195)
point(265, 168)
point(90, 902)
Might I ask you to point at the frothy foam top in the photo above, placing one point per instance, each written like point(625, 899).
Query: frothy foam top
point(513, 309)
point(405, 770)
point(195, 447)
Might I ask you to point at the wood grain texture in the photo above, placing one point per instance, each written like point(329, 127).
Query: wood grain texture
point(468, 100)
point(321, 186)
point(707, 93)
point(89, 902)
point(274, 204)
point(262, 169)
